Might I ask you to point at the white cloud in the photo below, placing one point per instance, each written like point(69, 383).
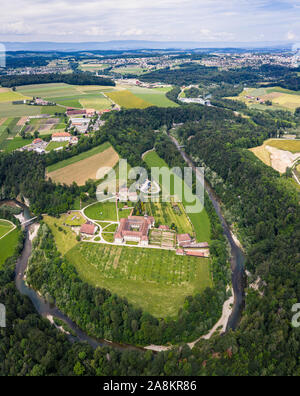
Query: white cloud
point(94, 31)
point(184, 20)
point(291, 36)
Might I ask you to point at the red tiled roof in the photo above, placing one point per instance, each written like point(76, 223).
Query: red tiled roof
point(182, 238)
point(61, 134)
point(163, 227)
point(126, 227)
point(88, 228)
point(194, 253)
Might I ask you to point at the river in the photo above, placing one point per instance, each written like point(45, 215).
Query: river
point(237, 255)
point(46, 310)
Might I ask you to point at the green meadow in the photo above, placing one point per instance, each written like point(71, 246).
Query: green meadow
point(156, 280)
point(8, 246)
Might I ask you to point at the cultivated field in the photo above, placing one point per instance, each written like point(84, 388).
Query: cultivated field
point(8, 95)
point(155, 96)
point(128, 100)
point(199, 219)
point(280, 97)
point(83, 167)
point(70, 95)
point(155, 280)
point(77, 158)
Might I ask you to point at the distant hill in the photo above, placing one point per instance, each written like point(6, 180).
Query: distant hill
point(137, 45)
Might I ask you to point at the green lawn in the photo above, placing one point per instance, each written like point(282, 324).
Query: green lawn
point(105, 211)
point(200, 219)
point(155, 280)
point(8, 246)
point(5, 227)
point(77, 158)
point(54, 145)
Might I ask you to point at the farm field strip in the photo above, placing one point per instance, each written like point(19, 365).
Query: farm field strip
point(280, 97)
point(80, 171)
point(128, 100)
point(79, 157)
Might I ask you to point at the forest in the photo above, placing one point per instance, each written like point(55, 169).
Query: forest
point(82, 78)
point(190, 73)
point(262, 207)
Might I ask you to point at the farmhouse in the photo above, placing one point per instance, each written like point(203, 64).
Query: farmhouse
point(88, 229)
point(90, 112)
point(134, 229)
point(61, 137)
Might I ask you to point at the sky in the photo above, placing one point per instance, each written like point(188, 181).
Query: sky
point(153, 20)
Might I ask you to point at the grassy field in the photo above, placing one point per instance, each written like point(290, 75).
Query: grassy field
point(16, 143)
point(74, 219)
point(280, 97)
point(8, 245)
point(199, 219)
point(7, 109)
point(106, 211)
point(5, 227)
point(155, 280)
point(130, 70)
point(8, 130)
point(65, 238)
point(84, 166)
point(128, 100)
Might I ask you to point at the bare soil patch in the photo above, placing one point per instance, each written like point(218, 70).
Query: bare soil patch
point(81, 171)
